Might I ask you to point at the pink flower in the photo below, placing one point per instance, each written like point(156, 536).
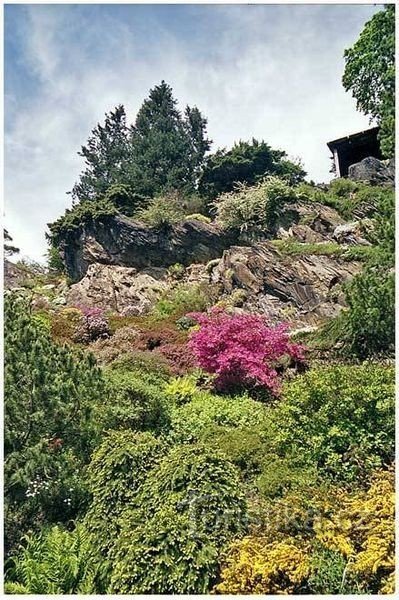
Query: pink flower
point(241, 349)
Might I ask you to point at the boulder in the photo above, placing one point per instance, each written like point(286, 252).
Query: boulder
point(121, 289)
point(350, 233)
point(373, 171)
point(302, 290)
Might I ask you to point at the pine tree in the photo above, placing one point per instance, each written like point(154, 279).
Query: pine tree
point(48, 430)
point(107, 154)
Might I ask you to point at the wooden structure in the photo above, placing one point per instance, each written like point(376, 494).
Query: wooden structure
point(353, 148)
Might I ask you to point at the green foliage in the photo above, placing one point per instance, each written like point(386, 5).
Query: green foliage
point(340, 418)
point(118, 469)
point(254, 210)
point(181, 300)
point(370, 74)
point(329, 573)
point(55, 561)
point(9, 249)
point(77, 217)
point(198, 217)
point(55, 263)
point(177, 271)
point(106, 157)
point(167, 149)
point(131, 402)
point(124, 199)
point(191, 421)
point(189, 508)
point(49, 432)
point(245, 163)
point(370, 321)
point(163, 211)
point(181, 389)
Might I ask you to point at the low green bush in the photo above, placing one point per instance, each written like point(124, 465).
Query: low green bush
point(131, 402)
point(189, 508)
point(190, 421)
point(254, 210)
point(117, 471)
point(341, 418)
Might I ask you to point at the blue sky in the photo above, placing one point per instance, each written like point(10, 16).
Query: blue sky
point(267, 71)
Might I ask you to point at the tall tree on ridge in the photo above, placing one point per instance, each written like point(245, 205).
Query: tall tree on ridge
point(107, 154)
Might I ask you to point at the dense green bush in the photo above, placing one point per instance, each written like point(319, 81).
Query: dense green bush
point(181, 300)
point(340, 418)
point(131, 402)
point(50, 393)
point(169, 208)
point(190, 506)
point(54, 561)
point(248, 163)
point(190, 421)
point(118, 469)
point(254, 210)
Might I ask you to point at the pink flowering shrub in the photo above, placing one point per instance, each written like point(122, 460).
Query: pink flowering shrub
point(242, 350)
point(94, 325)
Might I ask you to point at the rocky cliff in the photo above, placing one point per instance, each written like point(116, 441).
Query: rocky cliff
point(124, 242)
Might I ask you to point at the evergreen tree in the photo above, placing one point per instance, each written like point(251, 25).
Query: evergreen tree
point(245, 163)
point(107, 154)
point(167, 149)
point(48, 431)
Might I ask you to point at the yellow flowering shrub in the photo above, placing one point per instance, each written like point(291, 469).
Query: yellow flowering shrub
point(363, 530)
point(254, 566)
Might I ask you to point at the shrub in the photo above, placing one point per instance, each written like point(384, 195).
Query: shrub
point(93, 325)
point(190, 506)
point(64, 324)
point(181, 389)
point(118, 469)
point(55, 561)
point(163, 211)
point(190, 422)
point(362, 529)
point(179, 301)
point(254, 566)
point(341, 418)
point(370, 321)
point(254, 210)
point(180, 361)
point(149, 366)
point(131, 403)
point(177, 271)
point(241, 350)
point(74, 219)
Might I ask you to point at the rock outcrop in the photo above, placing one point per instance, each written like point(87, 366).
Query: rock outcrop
point(302, 290)
point(373, 171)
point(126, 243)
point(121, 289)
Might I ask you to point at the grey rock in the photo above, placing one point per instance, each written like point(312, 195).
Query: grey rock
point(373, 171)
point(123, 242)
point(121, 289)
point(294, 289)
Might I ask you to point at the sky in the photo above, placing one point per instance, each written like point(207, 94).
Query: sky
point(272, 72)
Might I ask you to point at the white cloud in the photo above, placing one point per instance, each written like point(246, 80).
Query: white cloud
point(273, 79)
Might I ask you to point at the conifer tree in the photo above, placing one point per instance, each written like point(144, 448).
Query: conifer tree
point(167, 148)
point(106, 155)
point(48, 432)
